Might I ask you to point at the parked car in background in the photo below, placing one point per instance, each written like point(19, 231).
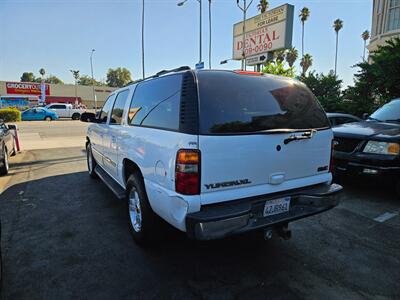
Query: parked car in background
point(7, 147)
point(64, 110)
point(337, 119)
point(371, 147)
point(214, 153)
point(38, 114)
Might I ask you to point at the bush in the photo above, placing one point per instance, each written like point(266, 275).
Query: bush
point(10, 115)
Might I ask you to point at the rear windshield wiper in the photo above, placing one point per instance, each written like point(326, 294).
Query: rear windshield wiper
point(305, 136)
point(282, 130)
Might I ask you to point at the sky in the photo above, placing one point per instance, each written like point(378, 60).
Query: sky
point(58, 35)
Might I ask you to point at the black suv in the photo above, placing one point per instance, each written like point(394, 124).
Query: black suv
point(371, 147)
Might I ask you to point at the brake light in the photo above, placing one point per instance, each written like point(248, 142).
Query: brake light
point(248, 73)
point(187, 172)
point(333, 143)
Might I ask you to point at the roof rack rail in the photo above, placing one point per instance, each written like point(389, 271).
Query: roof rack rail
point(158, 74)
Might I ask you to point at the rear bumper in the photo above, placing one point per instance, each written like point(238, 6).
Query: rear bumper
point(371, 165)
point(233, 217)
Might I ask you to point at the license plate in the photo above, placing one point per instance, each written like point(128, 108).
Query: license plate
point(276, 206)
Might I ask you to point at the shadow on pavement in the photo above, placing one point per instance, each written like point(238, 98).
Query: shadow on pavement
point(66, 237)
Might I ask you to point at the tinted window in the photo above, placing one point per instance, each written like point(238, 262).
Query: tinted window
point(118, 109)
point(106, 109)
point(156, 103)
point(233, 103)
point(57, 106)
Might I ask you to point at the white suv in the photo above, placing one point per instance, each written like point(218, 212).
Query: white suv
point(214, 153)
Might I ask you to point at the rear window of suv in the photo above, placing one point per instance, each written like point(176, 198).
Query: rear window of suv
point(232, 103)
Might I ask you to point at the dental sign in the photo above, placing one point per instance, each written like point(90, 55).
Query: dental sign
point(26, 88)
point(267, 32)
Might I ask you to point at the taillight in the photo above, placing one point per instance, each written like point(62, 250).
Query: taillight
point(187, 172)
point(333, 143)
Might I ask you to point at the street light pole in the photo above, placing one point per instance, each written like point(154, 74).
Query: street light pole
point(244, 9)
point(143, 75)
point(94, 94)
point(200, 38)
point(209, 26)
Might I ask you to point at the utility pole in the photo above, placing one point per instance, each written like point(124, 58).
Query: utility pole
point(200, 38)
point(209, 25)
point(94, 94)
point(244, 10)
point(143, 73)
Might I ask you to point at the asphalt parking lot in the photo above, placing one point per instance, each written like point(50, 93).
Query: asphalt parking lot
point(66, 236)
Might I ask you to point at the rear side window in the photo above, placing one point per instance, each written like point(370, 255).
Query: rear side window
point(234, 103)
point(57, 106)
point(106, 109)
point(118, 109)
point(156, 103)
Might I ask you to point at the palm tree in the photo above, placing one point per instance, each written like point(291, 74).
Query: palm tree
point(306, 63)
point(263, 6)
point(291, 56)
point(304, 15)
point(42, 72)
point(75, 73)
point(280, 55)
point(337, 26)
point(365, 36)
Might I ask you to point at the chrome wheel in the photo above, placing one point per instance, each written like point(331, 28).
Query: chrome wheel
point(135, 212)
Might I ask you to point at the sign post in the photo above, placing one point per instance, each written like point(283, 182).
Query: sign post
point(264, 33)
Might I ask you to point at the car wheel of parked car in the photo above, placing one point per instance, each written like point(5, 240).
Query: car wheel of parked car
point(76, 116)
point(91, 162)
point(144, 224)
point(4, 167)
point(48, 118)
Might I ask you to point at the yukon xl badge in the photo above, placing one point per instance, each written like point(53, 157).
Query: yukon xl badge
point(226, 184)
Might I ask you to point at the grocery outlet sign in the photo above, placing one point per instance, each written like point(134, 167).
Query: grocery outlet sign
point(26, 88)
point(267, 32)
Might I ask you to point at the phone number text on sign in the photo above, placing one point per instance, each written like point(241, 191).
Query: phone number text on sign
point(266, 39)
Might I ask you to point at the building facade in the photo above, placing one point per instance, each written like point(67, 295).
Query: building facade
point(21, 92)
point(385, 22)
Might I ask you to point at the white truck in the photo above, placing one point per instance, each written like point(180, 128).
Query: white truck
point(214, 153)
point(64, 110)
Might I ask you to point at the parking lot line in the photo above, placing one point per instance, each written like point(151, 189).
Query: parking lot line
point(386, 216)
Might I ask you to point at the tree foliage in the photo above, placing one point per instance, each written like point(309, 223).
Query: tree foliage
point(53, 79)
point(262, 6)
point(87, 80)
point(118, 77)
point(327, 89)
point(278, 68)
point(306, 62)
point(28, 77)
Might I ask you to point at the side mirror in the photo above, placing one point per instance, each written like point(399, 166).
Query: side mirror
point(88, 117)
point(365, 116)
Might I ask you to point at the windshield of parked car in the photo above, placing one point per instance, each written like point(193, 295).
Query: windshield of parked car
point(235, 103)
point(390, 112)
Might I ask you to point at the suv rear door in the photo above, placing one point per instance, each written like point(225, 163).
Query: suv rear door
point(248, 128)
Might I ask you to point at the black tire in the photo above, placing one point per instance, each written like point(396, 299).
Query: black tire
point(91, 162)
point(4, 163)
point(48, 118)
point(76, 116)
point(150, 224)
point(14, 151)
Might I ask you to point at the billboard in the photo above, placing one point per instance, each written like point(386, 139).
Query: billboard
point(26, 88)
point(267, 32)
